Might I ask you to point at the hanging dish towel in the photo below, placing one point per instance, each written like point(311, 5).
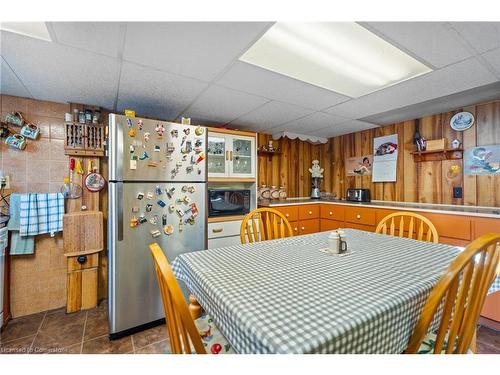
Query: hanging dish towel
point(18, 245)
point(41, 213)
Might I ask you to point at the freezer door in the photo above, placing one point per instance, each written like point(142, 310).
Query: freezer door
point(134, 297)
point(148, 150)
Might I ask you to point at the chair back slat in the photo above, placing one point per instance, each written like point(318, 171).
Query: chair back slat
point(462, 291)
point(182, 331)
point(422, 227)
point(272, 225)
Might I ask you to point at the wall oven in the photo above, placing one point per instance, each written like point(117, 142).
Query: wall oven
point(228, 202)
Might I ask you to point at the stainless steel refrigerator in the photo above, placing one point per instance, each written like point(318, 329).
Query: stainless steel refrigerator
point(157, 193)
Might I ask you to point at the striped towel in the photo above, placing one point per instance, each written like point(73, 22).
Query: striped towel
point(41, 213)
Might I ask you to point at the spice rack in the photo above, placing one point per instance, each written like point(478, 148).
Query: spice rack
point(84, 139)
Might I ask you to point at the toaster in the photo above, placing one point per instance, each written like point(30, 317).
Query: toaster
point(358, 195)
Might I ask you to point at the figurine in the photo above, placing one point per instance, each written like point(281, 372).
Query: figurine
point(316, 170)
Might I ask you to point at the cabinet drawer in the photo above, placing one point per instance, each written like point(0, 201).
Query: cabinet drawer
point(223, 241)
point(86, 261)
point(453, 226)
point(308, 226)
point(485, 225)
point(290, 212)
point(224, 229)
point(326, 224)
point(308, 211)
point(360, 215)
point(332, 212)
point(295, 227)
point(367, 228)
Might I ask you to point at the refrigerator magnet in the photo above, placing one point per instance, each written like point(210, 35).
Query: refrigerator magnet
point(174, 133)
point(135, 209)
point(190, 220)
point(191, 189)
point(168, 229)
point(164, 219)
point(189, 169)
point(171, 208)
point(180, 212)
point(149, 207)
point(156, 148)
point(140, 124)
point(184, 188)
point(155, 233)
point(181, 226)
point(201, 157)
point(133, 164)
point(142, 219)
point(129, 122)
point(146, 136)
point(134, 222)
point(199, 130)
point(144, 156)
point(187, 131)
point(170, 192)
point(161, 203)
point(132, 132)
point(152, 163)
point(140, 195)
point(149, 195)
point(183, 140)
point(194, 210)
point(160, 129)
point(154, 219)
point(158, 190)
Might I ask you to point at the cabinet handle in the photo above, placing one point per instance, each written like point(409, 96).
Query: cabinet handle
point(227, 155)
point(358, 216)
point(217, 230)
point(231, 155)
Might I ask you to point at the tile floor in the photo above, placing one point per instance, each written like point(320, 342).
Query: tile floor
point(84, 332)
point(87, 332)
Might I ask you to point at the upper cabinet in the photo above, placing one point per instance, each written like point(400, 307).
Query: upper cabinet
point(231, 155)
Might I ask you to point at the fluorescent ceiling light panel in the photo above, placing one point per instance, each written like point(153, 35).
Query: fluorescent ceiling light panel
point(340, 56)
point(36, 30)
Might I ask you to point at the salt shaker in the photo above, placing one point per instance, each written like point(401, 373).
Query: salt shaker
point(342, 241)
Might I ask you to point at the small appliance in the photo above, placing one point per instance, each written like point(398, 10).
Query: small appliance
point(358, 195)
point(228, 202)
point(315, 186)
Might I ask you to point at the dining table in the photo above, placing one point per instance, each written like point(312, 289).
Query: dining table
point(290, 296)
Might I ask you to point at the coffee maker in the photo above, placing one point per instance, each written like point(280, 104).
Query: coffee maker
point(315, 184)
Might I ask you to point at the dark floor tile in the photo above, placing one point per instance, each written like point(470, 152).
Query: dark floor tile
point(97, 323)
point(162, 347)
point(73, 349)
point(19, 346)
point(103, 345)
point(60, 330)
point(21, 327)
point(58, 310)
point(483, 348)
point(489, 337)
point(150, 336)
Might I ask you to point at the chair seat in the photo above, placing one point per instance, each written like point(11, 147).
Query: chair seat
point(212, 338)
point(429, 342)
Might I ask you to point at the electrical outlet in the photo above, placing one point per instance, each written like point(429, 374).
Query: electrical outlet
point(6, 182)
point(457, 192)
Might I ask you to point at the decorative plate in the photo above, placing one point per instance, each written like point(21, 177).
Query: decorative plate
point(462, 121)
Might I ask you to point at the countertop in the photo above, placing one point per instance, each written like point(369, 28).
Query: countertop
point(492, 212)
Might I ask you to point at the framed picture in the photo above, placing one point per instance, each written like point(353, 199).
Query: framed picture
point(359, 165)
point(462, 121)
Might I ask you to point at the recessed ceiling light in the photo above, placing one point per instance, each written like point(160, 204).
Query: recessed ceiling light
point(36, 30)
point(340, 56)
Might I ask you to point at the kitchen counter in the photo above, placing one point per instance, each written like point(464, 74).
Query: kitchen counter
point(491, 212)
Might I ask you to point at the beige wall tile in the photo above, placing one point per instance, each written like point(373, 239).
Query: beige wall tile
point(38, 171)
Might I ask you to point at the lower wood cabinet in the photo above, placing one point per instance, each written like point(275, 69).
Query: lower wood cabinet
point(308, 226)
point(82, 282)
point(326, 224)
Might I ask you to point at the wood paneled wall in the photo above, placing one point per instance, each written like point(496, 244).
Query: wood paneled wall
point(429, 182)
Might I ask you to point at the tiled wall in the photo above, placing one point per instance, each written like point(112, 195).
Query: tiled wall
point(38, 282)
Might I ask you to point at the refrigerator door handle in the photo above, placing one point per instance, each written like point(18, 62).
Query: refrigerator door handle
point(119, 213)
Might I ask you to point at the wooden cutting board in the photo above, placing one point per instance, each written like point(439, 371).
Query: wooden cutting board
point(82, 232)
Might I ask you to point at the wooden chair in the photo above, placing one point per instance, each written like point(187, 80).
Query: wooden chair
point(264, 224)
point(183, 332)
point(462, 290)
point(418, 224)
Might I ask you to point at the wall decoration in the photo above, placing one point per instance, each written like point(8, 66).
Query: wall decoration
point(462, 121)
point(385, 158)
point(482, 160)
point(359, 165)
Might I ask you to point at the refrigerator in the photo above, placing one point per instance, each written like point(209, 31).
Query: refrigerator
point(157, 193)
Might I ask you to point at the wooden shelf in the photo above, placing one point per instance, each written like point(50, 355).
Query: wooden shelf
point(269, 154)
point(436, 155)
point(231, 179)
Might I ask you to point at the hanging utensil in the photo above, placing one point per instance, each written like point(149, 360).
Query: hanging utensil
point(70, 189)
point(93, 181)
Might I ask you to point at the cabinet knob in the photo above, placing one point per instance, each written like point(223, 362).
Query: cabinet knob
point(295, 229)
point(286, 215)
point(217, 230)
point(358, 216)
point(310, 212)
point(303, 228)
point(81, 259)
point(331, 213)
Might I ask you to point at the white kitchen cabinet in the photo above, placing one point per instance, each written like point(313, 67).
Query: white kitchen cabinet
point(231, 155)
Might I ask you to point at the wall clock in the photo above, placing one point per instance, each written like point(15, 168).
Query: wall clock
point(462, 121)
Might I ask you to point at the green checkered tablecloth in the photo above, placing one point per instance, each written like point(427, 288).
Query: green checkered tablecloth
point(285, 296)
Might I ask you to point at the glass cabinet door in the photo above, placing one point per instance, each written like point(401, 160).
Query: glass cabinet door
point(217, 156)
point(242, 157)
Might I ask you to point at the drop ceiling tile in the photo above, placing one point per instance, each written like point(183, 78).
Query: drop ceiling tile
point(433, 42)
point(156, 94)
point(54, 72)
point(310, 123)
point(347, 127)
point(223, 105)
point(9, 83)
point(493, 58)
point(482, 36)
point(272, 114)
point(195, 49)
point(100, 37)
point(455, 78)
point(259, 81)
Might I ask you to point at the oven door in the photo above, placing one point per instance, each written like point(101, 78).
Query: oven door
point(228, 202)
